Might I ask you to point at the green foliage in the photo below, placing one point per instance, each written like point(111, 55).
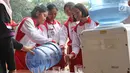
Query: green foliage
point(61, 17)
point(22, 8)
point(87, 4)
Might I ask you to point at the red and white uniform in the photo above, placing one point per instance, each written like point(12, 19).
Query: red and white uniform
point(67, 31)
point(76, 49)
point(29, 35)
point(89, 24)
point(53, 30)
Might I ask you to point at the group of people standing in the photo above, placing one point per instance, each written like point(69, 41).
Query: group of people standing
point(42, 27)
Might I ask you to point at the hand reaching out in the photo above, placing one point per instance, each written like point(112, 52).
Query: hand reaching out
point(28, 49)
point(69, 57)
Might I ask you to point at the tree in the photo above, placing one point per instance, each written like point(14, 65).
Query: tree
point(21, 8)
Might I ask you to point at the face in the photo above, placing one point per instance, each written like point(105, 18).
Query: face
point(52, 14)
point(77, 14)
point(42, 17)
point(68, 11)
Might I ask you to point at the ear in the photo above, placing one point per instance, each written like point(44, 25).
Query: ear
point(37, 13)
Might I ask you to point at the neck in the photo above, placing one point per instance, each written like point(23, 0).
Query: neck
point(50, 20)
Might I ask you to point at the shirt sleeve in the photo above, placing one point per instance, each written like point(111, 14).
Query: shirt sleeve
point(75, 43)
point(16, 44)
point(92, 25)
point(31, 31)
point(63, 35)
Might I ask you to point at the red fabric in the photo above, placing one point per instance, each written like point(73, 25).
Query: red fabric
point(20, 34)
point(20, 55)
point(53, 41)
point(8, 24)
point(20, 60)
point(97, 23)
point(87, 21)
point(13, 23)
point(48, 22)
point(54, 22)
point(82, 23)
point(76, 61)
point(73, 54)
point(62, 61)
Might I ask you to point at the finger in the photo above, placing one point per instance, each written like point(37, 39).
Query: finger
point(33, 47)
point(67, 60)
point(31, 52)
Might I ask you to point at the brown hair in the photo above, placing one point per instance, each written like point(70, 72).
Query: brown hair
point(82, 8)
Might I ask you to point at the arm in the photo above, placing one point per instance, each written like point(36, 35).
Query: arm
point(31, 31)
point(75, 47)
point(19, 46)
point(16, 44)
point(75, 43)
point(63, 35)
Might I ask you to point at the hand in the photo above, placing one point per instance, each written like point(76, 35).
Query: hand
point(62, 48)
point(71, 56)
point(53, 41)
point(28, 49)
point(68, 57)
point(67, 60)
point(12, 71)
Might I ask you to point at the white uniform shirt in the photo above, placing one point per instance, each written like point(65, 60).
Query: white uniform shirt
point(67, 31)
point(76, 40)
point(33, 35)
point(52, 30)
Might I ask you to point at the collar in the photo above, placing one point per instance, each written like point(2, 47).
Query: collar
point(70, 19)
point(52, 22)
point(87, 21)
point(35, 22)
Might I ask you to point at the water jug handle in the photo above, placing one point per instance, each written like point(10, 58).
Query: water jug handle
point(124, 7)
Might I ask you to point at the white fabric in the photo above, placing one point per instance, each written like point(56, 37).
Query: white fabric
point(64, 32)
point(6, 3)
point(76, 42)
point(32, 34)
point(52, 31)
point(63, 35)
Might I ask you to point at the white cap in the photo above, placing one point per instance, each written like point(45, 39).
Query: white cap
point(6, 3)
